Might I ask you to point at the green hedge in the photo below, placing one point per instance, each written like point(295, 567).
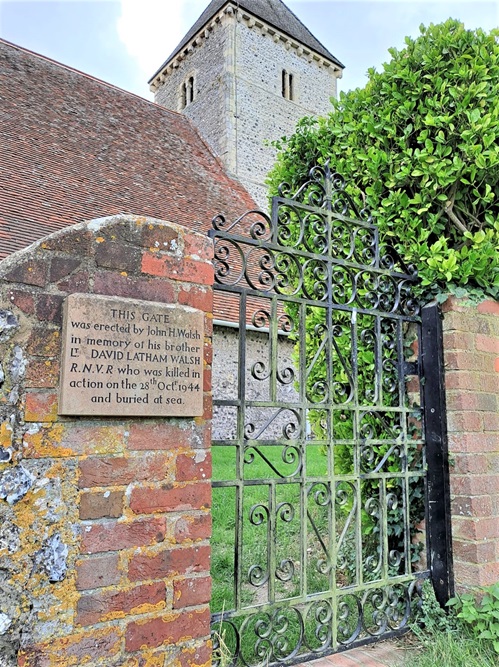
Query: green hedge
point(421, 144)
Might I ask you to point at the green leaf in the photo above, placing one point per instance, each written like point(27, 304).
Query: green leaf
point(474, 115)
point(424, 131)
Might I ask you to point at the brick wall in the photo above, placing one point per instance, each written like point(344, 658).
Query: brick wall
point(104, 522)
point(471, 344)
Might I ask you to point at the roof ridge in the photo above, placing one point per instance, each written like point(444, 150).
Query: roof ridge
point(216, 6)
point(87, 76)
point(308, 30)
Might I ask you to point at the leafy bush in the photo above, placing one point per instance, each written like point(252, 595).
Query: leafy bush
point(421, 141)
point(432, 617)
point(445, 640)
point(482, 617)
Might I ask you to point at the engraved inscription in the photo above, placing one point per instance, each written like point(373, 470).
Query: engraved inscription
point(127, 357)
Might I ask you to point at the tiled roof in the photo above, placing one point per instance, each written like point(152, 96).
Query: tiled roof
point(73, 148)
point(273, 12)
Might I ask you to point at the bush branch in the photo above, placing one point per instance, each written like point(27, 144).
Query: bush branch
point(448, 208)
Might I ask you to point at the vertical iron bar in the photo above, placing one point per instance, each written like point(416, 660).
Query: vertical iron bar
point(404, 487)
point(437, 454)
point(377, 249)
point(332, 556)
point(378, 362)
point(272, 541)
point(241, 417)
point(356, 419)
point(302, 379)
point(383, 529)
point(273, 349)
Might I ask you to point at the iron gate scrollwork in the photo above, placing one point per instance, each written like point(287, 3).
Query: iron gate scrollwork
point(319, 456)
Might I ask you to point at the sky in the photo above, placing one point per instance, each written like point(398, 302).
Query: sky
point(124, 42)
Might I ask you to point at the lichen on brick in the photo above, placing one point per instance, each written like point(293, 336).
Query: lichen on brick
point(51, 503)
point(13, 368)
point(6, 435)
point(15, 483)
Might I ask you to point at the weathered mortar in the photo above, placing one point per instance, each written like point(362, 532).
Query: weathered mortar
point(85, 502)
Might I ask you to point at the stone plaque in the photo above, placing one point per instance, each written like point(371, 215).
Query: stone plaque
point(131, 358)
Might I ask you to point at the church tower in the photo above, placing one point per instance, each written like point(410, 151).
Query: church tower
point(244, 74)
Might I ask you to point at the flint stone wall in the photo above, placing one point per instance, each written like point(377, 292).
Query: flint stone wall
point(238, 105)
point(226, 376)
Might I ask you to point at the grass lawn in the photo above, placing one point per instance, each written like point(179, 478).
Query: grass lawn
point(297, 538)
point(256, 500)
point(451, 649)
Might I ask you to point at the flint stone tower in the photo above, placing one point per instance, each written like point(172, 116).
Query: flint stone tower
point(244, 74)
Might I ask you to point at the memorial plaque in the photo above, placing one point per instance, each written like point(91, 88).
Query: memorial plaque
point(131, 358)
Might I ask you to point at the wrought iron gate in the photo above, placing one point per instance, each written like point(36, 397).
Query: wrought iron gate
point(320, 457)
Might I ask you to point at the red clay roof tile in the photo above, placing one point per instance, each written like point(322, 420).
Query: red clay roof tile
point(73, 148)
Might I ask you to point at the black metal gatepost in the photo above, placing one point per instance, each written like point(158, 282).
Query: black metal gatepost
point(437, 454)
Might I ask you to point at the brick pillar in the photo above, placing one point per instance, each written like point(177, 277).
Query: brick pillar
point(471, 343)
point(105, 522)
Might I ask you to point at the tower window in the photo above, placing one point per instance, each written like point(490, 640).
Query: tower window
point(287, 85)
point(187, 92)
